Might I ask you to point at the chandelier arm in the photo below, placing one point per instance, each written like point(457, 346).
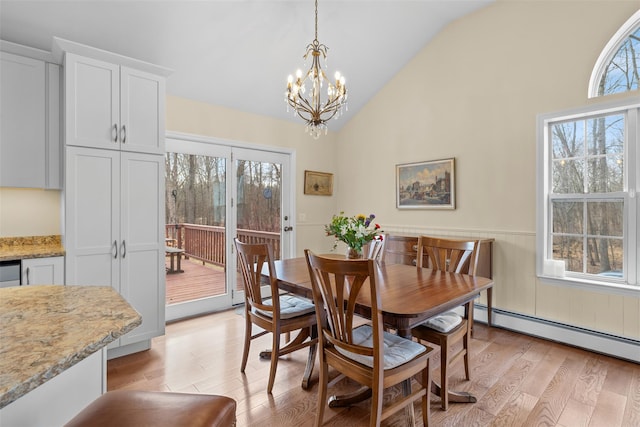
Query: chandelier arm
point(304, 104)
point(306, 119)
point(333, 104)
point(301, 111)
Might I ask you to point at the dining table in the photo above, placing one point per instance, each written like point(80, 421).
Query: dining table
point(409, 296)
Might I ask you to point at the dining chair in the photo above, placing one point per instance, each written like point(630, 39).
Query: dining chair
point(364, 353)
point(376, 248)
point(448, 329)
point(278, 314)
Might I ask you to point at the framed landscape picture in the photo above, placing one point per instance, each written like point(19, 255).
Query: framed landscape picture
point(318, 183)
point(426, 185)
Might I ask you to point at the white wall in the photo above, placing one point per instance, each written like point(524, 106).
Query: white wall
point(29, 212)
point(473, 93)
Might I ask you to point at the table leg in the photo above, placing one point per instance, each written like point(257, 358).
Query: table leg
point(179, 268)
point(349, 399)
point(172, 269)
point(489, 305)
point(311, 360)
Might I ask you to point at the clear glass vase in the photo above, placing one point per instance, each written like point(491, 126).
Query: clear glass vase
point(353, 253)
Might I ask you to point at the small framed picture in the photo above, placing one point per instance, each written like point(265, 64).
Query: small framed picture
point(318, 183)
point(426, 185)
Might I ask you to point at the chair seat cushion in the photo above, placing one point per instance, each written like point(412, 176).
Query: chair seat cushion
point(444, 322)
point(397, 350)
point(290, 306)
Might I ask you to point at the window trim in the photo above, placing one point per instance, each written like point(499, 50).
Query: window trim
point(630, 286)
point(609, 51)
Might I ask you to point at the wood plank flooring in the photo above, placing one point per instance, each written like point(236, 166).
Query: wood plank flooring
point(518, 380)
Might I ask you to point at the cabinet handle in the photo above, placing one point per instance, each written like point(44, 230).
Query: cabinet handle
point(115, 249)
point(123, 248)
point(28, 276)
point(115, 133)
point(123, 134)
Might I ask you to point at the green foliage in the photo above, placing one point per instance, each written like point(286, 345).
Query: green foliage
point(355, 231)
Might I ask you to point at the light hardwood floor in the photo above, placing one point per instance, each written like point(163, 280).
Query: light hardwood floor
point(518, 380)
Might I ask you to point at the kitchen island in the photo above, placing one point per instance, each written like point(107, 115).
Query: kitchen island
point(52, 338)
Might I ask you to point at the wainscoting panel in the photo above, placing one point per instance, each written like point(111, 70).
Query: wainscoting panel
point(517, 291)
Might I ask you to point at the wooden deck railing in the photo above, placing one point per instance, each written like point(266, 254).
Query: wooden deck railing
point(207, 242)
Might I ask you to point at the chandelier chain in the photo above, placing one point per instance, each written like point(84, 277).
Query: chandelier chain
point(316, 39)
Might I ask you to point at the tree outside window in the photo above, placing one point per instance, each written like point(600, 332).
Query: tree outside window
point(586, 197)
point(621, 74)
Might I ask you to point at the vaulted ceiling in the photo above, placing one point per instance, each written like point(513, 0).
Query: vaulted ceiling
point(238, 53)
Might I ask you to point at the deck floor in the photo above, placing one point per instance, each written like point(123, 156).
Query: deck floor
point(197, 281)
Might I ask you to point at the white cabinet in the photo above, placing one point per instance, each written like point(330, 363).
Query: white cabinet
point(29, 123)
point(115, 230)
point(114, 181)
point(113, 107)
point(43, 271)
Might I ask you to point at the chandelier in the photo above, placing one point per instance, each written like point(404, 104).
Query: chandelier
point(316, 109)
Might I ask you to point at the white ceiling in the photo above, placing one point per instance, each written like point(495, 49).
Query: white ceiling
point(238, 53)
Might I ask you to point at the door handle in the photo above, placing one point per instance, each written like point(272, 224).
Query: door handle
point(28, 276)
point(123, 134)
point(115, 249)
point(115, 133)
point(123, 249)
point(288, 228)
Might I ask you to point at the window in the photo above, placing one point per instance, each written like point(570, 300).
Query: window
point(617, 68)
point(588, 219)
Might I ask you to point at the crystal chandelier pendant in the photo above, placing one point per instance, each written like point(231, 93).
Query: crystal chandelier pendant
point(315, 108)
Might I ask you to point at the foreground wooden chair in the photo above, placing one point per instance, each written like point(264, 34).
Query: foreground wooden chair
point(366, 353)
point(449, 328)
point(278, 315)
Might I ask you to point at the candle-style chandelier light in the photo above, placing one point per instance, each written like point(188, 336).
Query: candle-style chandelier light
point(316, 109)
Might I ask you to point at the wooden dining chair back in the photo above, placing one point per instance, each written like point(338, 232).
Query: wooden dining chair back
point(376, 248)
point(277, 314)
point(449, 328)
point(364, 353)
point(454, 256)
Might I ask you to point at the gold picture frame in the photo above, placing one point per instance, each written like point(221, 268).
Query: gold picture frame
point(426, 185)
point(318, 183)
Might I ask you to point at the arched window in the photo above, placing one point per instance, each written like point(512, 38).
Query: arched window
point(617, 68)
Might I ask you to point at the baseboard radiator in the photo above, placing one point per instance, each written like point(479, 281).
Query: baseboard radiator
point(598, 342)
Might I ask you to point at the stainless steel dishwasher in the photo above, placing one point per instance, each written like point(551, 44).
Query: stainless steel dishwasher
point(10, 273)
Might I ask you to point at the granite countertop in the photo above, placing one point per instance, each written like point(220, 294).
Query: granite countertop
point(46, 329)
point(13, 248)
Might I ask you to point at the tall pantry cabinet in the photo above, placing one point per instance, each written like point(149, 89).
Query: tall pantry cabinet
point(114, 182)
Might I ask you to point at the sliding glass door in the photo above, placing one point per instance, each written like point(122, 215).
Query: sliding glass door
point(260, 203)
point(215, 192)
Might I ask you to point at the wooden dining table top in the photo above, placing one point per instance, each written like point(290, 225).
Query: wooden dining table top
point(409, 295)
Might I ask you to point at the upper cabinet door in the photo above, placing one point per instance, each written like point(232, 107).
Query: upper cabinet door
point(92, 103)
point(22, 121)
point(142, 111)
